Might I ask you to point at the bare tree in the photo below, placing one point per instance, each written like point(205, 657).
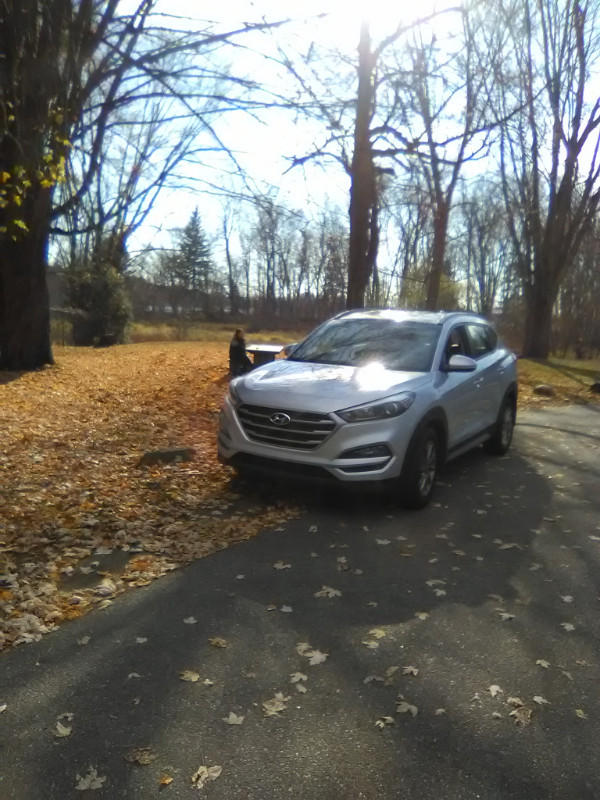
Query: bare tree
point(550, 149)
point(68, 67)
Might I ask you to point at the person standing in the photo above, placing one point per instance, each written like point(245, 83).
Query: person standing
point(239, 363)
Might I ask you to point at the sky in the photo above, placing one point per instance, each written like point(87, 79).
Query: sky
point(264, 148)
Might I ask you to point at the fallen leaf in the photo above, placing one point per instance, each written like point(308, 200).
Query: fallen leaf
point(406, 708)
point(542, 663)
point(313, 529)
point(566, 598)
point(316, 657)
point(370, 644)
point(422, 615)
point(91, 780)
point(505, 616)
point(204, 774)
point(327, 591)
point(140, 640)
point(295, 677)
point(510, 546)
point(383, 541)
point(277, 704)
point(440, 592)
point(302, 648)
point(439, 712)
point(84, 640)
point(61, 731)
point(391, 671)
point(496, 715)
point(567, 626)
point(216, 641)
point(3, 707)
point(579, 712)
point(133, 675)
point(383, 721)
point(286, 609)
point(515, 701)
point(165, 780)
point(371, 678)
point(233, 719)
point(378, 633)
point(300, 687)
point(410, 671)
point(494, 690)
point(522, 715)
point(142, 756)
point(189, 675)
point(190, 620)
point(281, 565)
point(541, 701)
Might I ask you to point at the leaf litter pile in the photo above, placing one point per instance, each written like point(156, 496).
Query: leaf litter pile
point(81, 519)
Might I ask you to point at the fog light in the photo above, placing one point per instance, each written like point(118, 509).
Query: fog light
point(369, 451)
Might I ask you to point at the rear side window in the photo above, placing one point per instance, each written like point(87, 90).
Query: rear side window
point(482, 340)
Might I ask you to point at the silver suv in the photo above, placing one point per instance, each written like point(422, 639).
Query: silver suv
point(375, 395)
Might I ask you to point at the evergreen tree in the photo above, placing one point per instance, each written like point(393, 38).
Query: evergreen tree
point(194, 261)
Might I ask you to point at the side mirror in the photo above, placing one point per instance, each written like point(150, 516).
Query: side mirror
point(461, 363)
point(289, 349)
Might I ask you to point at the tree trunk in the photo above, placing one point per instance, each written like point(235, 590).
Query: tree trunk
point(362, 190)
point(24, 304)
point(539, 303)
point(438, 255)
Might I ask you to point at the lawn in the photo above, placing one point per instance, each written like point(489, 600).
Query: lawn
point(82, 521)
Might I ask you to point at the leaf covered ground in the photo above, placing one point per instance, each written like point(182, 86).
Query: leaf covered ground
point(81, 520)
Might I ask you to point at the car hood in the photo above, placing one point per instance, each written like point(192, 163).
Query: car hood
point(303, 386)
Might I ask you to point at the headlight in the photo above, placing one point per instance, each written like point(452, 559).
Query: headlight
point(383, 409)
point(233, 394)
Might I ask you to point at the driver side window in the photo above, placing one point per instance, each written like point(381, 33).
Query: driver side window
point(457, 343)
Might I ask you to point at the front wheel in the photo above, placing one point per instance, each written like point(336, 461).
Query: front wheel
point(499, 442)
point(419, 472)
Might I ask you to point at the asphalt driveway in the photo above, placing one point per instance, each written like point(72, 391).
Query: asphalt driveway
point(470, 631)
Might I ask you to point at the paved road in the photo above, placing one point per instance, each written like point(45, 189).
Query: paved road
point(524, 528)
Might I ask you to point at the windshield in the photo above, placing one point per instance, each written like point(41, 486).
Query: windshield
point(403, 345)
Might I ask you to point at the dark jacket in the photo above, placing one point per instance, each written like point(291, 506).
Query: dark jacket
point(238, 360)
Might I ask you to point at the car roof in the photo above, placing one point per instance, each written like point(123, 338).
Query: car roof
point(399, 315)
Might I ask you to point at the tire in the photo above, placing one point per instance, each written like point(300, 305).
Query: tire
point(499, 442)
point(420, 469)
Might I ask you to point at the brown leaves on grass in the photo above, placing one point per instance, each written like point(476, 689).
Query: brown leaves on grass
point(72, 436)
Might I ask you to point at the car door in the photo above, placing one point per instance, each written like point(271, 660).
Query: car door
point(460, 392)
point(483, 348)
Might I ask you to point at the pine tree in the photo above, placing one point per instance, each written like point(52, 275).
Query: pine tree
point(194, 261)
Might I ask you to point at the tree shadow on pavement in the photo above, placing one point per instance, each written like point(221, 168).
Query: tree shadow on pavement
point(452, 591)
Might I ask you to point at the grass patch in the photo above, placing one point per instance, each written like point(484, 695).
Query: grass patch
point(570, 379)
point(208, 332)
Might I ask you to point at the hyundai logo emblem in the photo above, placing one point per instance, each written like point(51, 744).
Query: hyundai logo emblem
point(280, 419)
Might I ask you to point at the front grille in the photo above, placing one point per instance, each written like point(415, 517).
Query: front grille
point(305, 431)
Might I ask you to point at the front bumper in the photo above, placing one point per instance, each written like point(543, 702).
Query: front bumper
point(323, 463)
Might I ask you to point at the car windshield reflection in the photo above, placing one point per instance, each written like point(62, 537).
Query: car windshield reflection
point(405, 345)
